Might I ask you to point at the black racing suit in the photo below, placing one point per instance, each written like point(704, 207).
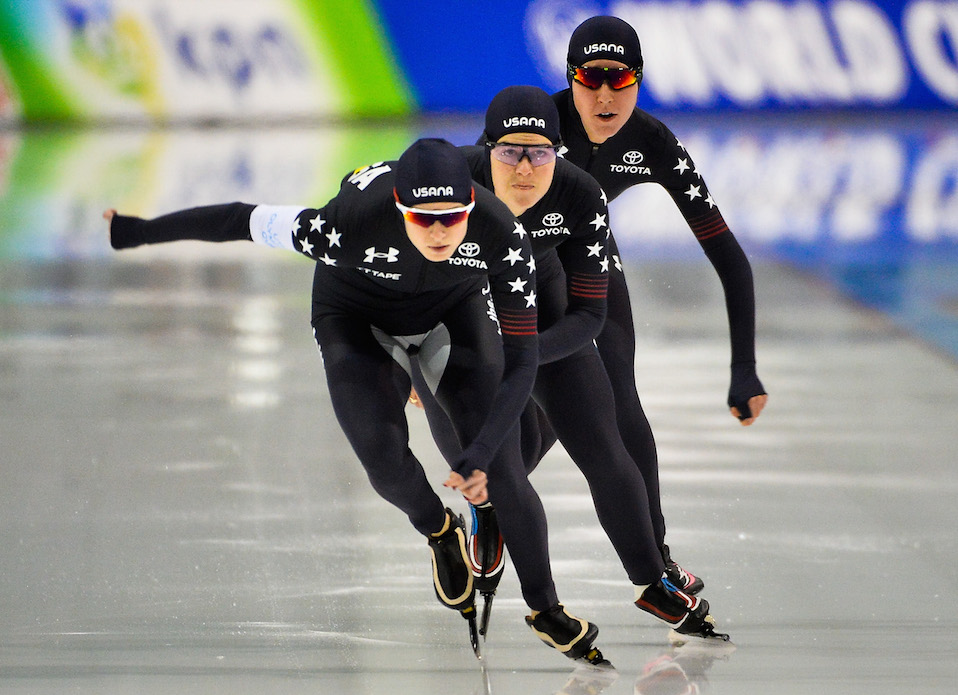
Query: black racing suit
point(646, 151)
point(570, 235)
point(375, 297)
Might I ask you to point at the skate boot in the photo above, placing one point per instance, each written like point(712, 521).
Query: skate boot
point(486, 557)
point(451, 574)
point(570, 635)
point(687, 615)
point(685, 581)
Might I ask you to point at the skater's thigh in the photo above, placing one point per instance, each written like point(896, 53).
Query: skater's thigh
point(368, 389)
point(474, 369)
point(616, 342)
point(576, 395)
point(575, 388)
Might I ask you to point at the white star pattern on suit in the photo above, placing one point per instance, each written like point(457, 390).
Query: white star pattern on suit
point(514, 256)
point(518, 285)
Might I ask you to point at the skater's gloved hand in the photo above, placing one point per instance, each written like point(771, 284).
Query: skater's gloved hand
point(472, 488)
point(746, 395)
point(475, 457)
point(414, 398)
point(108, 215)
point(751, 410)
point(124, 232)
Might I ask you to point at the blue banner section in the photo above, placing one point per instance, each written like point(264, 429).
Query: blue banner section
point(711, 55)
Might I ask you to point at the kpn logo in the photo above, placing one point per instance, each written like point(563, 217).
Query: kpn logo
point(115, 47)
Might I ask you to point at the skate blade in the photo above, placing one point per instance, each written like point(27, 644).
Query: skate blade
point(678, 639)
point(594, 657)
point(486, 612)
point(707, 633)
point(474, 639)
point(470, 615)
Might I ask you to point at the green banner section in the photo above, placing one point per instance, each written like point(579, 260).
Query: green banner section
point(368, 74)
point(35, 88)
point(231, 60)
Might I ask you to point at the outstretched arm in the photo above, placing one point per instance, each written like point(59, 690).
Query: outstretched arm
point(747, 396)
point(228, 222)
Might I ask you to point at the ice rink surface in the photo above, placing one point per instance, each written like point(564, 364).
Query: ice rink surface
point(180, 512)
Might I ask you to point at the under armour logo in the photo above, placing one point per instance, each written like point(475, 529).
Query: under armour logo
point(391, 256)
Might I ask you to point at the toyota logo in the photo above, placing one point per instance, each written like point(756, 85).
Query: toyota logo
point(632, 157)
point(553, 219)
point(469, 249)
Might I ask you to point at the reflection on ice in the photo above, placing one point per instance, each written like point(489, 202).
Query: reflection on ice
point(589, 680)
point(842, 182)
point(682, 669)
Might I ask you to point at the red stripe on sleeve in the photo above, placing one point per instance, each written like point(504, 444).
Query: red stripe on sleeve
point(708, 226)
point(518, 322)
point(588, 286)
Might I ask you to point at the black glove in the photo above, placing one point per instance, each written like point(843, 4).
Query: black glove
point(126, 232)
point(745, 384)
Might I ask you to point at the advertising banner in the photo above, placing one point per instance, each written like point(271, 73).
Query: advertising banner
point(699, 54)
point(295, 59)
point(179, 59)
